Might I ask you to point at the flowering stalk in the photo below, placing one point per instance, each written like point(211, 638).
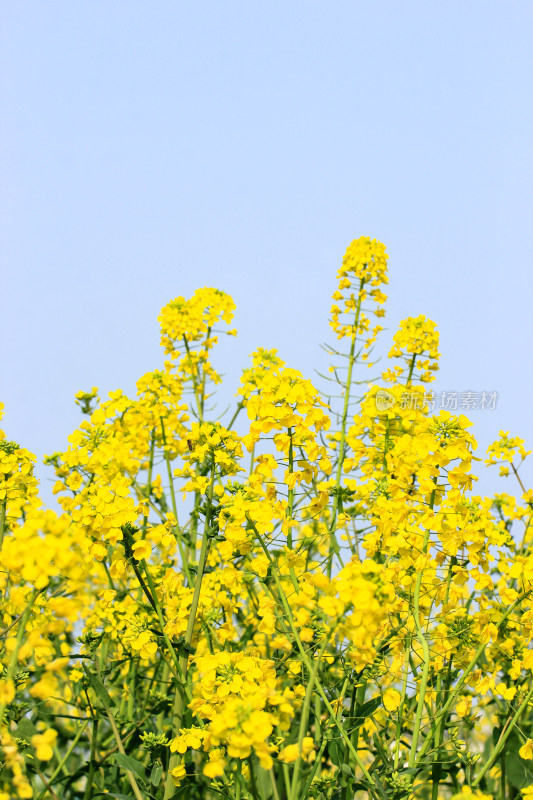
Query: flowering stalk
point(426, 662)
point(150, 473)
point(183, 552)
point(179, 699)
point(344, 419)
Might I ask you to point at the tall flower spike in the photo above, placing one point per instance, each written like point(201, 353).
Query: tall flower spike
point(193, 319)
point(363, 272)
point(188, 334)
point(416, 342)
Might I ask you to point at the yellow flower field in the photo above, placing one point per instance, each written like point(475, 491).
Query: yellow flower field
point(304, 598)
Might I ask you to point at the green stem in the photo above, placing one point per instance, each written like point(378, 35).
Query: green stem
point(63, 761)
point(142, 582)
point(411, 368)
point(253, 781)
point(3, 507)
point(47, 786)
point(307, 663)
point(402, 702)
point(149, 477)
point(359, 700)
point(199, 404)
point(252, 457)
point(318, 759)
point(179, 698)
point(291, 491)
point(304, 719)
point(120, 746)
point(183, 553)
point(236, 414)
point(169, 472)
point(161, 620)
point(518, 478)
point(238, 780)
point(273, 784)
point(18, 642)
point(90, 777)
point(503, 738)
point(131, 689)
point(436, 770)
point(204, 377)
point(425, 652)
point(463, 679)
point(342, 441)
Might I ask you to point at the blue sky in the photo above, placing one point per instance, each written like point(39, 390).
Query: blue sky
point(151, 148)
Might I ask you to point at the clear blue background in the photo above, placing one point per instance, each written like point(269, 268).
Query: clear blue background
point(149, 148)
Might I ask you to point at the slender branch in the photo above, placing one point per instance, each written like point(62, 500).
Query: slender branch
point(503, 738)
point(131, 777)
point(178, 707)
point(3, 506)
point(342, 441)
point(306, 661)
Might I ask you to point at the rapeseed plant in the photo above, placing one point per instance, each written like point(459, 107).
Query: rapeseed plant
point(309, 604)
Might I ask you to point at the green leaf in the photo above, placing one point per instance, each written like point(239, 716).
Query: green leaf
point(115, 795)
point(99, 688)
point(131, 764)
point(354, 787)
point(26, 729)
point(263, 782)
point(155, 775)
point(519, 772)
point(334, 754)
point(364, 711)
point(189, 790)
